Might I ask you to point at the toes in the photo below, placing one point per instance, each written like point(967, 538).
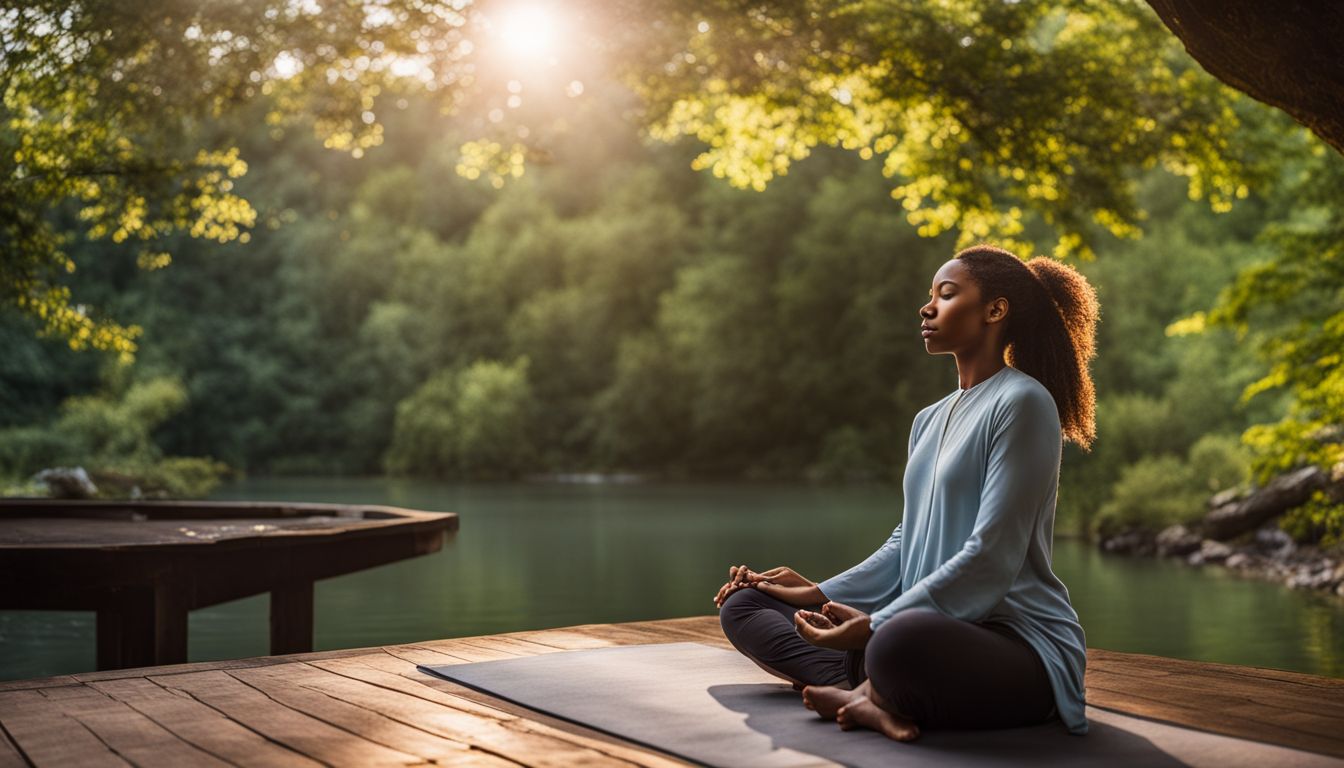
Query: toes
point(909, 733)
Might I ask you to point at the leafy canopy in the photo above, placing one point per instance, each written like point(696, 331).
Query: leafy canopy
point(1017, 121)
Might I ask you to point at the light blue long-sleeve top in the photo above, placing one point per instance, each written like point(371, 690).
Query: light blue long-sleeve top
point(978, 528)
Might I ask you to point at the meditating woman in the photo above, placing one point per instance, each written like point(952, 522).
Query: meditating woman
point(957, 621)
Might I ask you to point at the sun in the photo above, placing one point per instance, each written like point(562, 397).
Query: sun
point(527, 30)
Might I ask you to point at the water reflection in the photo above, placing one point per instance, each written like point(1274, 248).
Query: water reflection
point(530, 556)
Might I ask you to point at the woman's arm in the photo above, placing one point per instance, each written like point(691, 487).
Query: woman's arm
point(1022, 472)
point(874, 582)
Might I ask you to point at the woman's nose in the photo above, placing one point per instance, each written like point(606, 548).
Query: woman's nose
point(926, 311)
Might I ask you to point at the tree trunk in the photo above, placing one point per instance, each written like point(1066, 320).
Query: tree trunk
point(1285, 53)
point(1284, 492)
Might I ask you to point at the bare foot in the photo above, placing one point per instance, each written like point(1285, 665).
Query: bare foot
point(826, 700)
point(863, 713)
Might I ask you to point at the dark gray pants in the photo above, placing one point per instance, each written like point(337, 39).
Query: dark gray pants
point(762, 628)
point(938, 671)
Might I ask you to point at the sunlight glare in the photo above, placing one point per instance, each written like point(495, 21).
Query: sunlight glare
point(527, 30)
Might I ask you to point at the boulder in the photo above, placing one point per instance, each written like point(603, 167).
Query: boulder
point(1273, 542)
point(1210, 551)
point(67, 483)
point(1132, 542)
point(1177, 541)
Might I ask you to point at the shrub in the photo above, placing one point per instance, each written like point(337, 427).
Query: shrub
point(1152, 493)
point(1319, 521)
point(477, 422)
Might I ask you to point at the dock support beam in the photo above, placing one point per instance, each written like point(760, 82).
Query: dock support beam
point(292, 618)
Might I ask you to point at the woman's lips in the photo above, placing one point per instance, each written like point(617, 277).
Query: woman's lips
point(926, 331)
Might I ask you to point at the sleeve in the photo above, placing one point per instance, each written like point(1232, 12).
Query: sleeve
point(874, 582)
point(1022, 471)
point(877, 580)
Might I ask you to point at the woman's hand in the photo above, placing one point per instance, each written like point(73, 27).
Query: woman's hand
point(781, 583)
point(837, 626)
point(739, 577)
point(789, 587)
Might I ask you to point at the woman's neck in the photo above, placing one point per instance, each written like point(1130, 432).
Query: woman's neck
point(975, 368)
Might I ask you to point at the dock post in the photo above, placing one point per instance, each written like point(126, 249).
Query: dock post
point(292, 618)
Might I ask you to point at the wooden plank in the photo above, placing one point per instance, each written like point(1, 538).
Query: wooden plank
point(488, 734)
point(1211, 720)
point(415, 655)
point(706, 626)
point(293, 686)
point(48, 737)
point(1184, 666)
point(202, 726)
point(504, 645)
point(10, 757)
point(457, 648)
point(394, 673)
point(37, 682)
point(127, 732)
point(207, 666)
point(1274, 700)
point(296, 730)
point(561, 639)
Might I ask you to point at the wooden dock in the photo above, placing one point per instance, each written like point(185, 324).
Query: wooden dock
point(371, 707)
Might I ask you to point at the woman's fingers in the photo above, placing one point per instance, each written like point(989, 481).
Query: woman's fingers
point(812, 634)
point(743, 574)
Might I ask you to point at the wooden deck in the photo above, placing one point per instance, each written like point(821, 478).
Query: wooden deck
point(371, 707)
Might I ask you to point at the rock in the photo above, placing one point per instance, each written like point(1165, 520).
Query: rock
point(67, 483)
point(1210, 551)
point(1129, 543)
point(1177, 541)
point(1274, 542)
point(1239, 561)
point(1283, 493)
point(1225, 497)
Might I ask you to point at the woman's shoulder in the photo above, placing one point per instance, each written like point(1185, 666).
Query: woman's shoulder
point(1021, 393)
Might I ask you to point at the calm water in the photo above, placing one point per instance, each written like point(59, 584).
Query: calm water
point(534, 556)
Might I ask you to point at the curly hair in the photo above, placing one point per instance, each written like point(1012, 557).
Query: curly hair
point(1051, 331)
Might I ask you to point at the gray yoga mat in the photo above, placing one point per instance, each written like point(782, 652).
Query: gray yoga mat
point(713, 706)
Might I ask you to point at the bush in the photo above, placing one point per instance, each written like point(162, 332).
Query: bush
point(176, 477)
point(1152, 493)
point(112, 438)
point(1219, 462)
point(477, 422)
point(1319, 521)
point(847, 454)
point(25, 451)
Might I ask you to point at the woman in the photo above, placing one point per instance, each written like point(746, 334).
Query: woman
point(957, 621)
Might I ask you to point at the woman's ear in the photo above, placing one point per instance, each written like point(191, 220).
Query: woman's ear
point(996, 310)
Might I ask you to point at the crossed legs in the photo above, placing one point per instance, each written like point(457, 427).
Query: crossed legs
point(923, 670)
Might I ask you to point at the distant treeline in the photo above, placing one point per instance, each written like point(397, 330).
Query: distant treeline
point(610, 310)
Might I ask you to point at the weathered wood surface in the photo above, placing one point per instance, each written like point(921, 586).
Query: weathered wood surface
point(371, 707)
point(142, 566)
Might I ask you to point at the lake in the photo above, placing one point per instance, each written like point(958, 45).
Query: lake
point(531, 556)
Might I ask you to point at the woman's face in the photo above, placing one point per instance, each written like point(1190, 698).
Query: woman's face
point(954, 318)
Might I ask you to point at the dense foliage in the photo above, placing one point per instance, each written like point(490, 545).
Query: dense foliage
point(627, 315)
point(499, 276)
point(987, 117)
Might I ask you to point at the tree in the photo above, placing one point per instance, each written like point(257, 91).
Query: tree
point(103, 106)
point(1284, 54)
point(987, 116)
